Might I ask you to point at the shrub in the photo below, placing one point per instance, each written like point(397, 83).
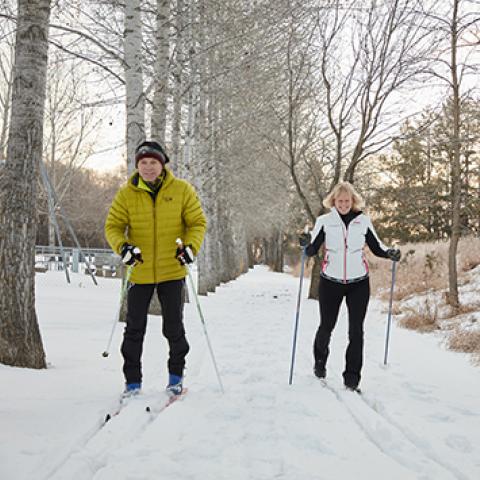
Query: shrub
point(424, 320)
point(467, 341)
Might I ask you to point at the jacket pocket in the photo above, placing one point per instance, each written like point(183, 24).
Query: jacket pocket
point(334, 237)
point(356, 237)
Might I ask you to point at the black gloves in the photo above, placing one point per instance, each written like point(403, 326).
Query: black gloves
point(304, 239)
point(131, 254)
point(394, 254)
point(184, 254)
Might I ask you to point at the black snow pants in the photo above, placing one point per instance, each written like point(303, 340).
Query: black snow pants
point(331, 294)
point(171, 295)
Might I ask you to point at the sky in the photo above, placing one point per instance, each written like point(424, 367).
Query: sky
point(110, 144)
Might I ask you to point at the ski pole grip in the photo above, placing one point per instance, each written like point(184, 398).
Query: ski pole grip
point(137, 251)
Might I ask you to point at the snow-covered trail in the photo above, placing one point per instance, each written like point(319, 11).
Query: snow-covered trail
point(417, 419)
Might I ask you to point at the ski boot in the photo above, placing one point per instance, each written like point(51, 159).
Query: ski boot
point(131, 389)
point(353, 388)
point(174, 386)
point(319, 371)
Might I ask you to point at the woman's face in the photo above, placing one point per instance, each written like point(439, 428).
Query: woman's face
point(343, 203)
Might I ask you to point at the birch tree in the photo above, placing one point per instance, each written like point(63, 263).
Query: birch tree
point(135, 99)
point(178, 84)
point(161, 71)
point(204, 163)
point(20, 339)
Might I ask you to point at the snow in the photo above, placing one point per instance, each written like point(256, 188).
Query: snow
point(418, 418)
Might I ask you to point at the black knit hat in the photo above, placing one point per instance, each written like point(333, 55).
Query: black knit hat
point(151, 149)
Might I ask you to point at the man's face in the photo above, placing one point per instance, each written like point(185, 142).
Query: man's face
point(149, 168)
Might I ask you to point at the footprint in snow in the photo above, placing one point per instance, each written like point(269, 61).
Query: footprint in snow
point(459, 443)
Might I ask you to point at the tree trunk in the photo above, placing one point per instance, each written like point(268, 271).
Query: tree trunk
point(251, 254)
point(212, 169)
point(204, 164)
point(135, 106)
point(177, 90)
point(266, 252)
point(161, 71)
point(20, 339)
point(51, 218)
point(275, 254)
point(135, 99)
point(192, 95)
point(456, 189)
point(238, 250)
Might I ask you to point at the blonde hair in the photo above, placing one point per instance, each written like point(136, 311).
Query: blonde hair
point(344, 187)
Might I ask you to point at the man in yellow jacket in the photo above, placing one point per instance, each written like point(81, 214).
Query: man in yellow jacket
point(146, 217)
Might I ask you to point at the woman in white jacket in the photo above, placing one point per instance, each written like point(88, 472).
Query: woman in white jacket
point(344, 231)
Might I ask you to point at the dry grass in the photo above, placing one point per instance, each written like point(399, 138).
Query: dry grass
point(424, 266)
point(465, 341)
point(396, 309)
point(451, 313)
point(423, 270)
point(412, 275)
point(422, 321)
point(469, 257)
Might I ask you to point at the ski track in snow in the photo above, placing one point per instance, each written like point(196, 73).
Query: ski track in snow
point(394, 437)
point(416, 419)
point(417, 442)
point(92, 453)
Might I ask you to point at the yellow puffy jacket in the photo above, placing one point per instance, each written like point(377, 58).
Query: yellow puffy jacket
point(154, 226)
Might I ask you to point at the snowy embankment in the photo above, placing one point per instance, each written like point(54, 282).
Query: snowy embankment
point(419, 418)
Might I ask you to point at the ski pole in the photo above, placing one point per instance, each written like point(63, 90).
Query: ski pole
point(389, 321)
point(106, 353)
point(202, 319)
point(297, 316)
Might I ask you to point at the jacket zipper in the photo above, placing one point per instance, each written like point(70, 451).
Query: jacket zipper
point(345, 237)
point(155, 238)
point(162, 185)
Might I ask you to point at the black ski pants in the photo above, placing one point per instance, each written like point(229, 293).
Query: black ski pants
point(171, 295)
point(331, 295)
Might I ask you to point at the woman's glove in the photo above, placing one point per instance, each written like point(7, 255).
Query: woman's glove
point(304, 239)
point(394, 254)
